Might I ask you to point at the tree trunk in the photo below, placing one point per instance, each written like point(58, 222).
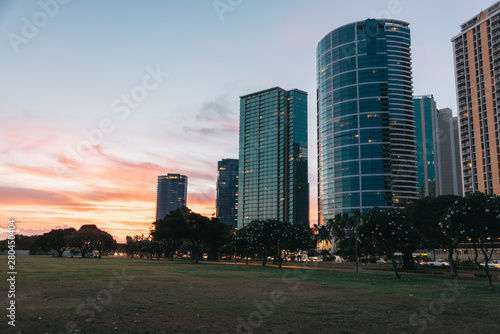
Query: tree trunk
point(264, 261)
point(408, 262)
point(280, 261)
point(490, 282)
point(486, 267)
point(395, 268)
point(486, 258)
point(60, 251)
point(195, 255)
point(452, 263)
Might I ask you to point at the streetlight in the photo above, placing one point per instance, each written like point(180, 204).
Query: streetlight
point(356, 246)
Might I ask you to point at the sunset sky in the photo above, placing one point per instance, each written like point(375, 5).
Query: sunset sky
point(98, 98)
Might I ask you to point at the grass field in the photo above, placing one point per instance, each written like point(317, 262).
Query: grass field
point(123, 295)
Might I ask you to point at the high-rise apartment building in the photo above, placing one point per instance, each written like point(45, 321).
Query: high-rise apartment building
point(227, 192)
point(448, 154)
point(273, 157)
point(477, 76)
point(171, 194)
point(425, 130)
point(366, 127)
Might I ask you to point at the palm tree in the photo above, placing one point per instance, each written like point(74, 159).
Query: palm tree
point(336, 227)
point(344, 226)
point(321, 234)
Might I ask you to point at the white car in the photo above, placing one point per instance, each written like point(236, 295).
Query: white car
point(439, 263)
point(492, 264)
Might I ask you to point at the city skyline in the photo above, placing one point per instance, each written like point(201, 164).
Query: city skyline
point(93, 113)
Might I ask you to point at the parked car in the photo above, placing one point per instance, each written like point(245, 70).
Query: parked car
point(491, 264)
point(439, 263)
point(383, 260)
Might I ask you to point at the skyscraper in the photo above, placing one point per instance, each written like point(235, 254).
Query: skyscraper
point(448, 154)
point(425, 130)
point(273, 157)
point(477, 76)
point(366, 127)
point(171, 194)
point(227, 192)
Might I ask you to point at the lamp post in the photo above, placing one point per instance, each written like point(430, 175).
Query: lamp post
point(357, 215)
point(356, 246)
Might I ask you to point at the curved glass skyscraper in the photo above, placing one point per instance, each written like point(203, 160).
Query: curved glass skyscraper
point(366, 130)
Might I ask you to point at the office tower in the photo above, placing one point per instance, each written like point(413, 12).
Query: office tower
point(227, 192)
point(477, 76)
point(448, 154)
point(425, 130)
point(366, 127)
point(273, 157)
point(171, 194)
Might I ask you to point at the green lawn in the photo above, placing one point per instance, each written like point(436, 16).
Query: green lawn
point(123, 295)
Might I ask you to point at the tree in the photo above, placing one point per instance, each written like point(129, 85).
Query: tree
point(344, 228)
point(427, 216)
point(476, 217)
point(172, 230)
point(273, 238)
point(387, 231)
point(132, 245)
point(295, 237)
point(89, 238)
point(25, 242)
point(243, 243)
point(262, 238)
point(57, 240)
point(197, 228)
point(193, 230)
point(169, 246)
point(321, 234)
point(216, 237)
point(337, 227)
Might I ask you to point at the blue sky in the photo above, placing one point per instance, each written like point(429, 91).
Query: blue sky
point(64, 80)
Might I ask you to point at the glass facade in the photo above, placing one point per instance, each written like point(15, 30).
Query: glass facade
point(171, 194)
point(227, 192)
point(426, 127)
point(273, 157)
point(366, 127)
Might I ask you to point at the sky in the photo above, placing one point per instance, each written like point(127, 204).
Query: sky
point(99, 98)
